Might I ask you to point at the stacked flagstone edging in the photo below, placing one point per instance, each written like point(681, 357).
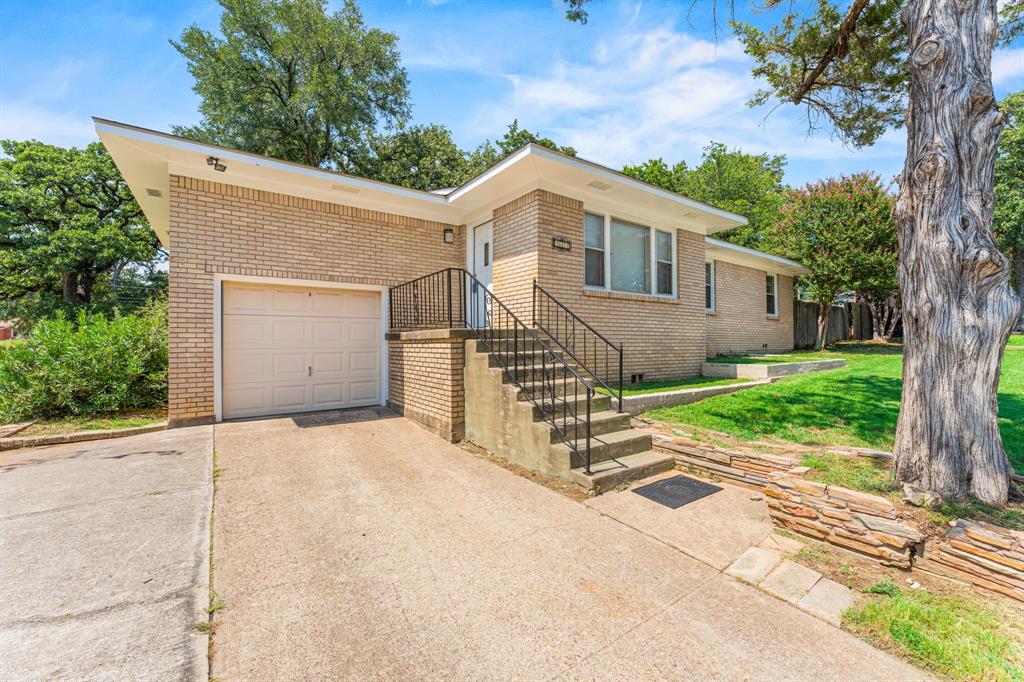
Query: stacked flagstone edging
point(866, 524)
point(748, 469)
point(986, 555)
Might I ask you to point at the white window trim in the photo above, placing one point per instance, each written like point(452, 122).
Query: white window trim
point(653, 264)
point(714, 286)
point(775, 290)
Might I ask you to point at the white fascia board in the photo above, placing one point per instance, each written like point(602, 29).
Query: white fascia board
point(223, 153)
point(791, 265)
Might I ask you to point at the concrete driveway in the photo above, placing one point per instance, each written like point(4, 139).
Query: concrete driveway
point(104, 550)
point(357, 546)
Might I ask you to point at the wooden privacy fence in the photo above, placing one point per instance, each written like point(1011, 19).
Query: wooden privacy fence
point(851, 321)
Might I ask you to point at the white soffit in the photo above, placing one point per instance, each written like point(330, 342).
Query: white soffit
point(715, 249)
point(147, 157)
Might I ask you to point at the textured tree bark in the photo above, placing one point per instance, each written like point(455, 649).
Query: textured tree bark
point(823, 314)
point(958, 306)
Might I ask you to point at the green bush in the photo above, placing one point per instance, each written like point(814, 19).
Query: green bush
point(90, 366)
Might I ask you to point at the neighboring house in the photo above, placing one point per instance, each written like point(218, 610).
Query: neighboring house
point(280, 273)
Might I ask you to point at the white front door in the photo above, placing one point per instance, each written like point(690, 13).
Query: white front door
point(295, 349)
point(483, 264)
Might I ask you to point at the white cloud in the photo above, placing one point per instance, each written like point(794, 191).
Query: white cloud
point(1007, 64)
point(23, 121)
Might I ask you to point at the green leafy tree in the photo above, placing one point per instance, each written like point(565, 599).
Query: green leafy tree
point(730, 179)
point(1008, 216)
point(67, 222)
point(515, 138)
point(858, 68)
point(286, 79)
point(427, 158)
point(420, 157)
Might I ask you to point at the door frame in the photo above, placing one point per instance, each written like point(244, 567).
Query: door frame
point(471, 243)
point(219, 278)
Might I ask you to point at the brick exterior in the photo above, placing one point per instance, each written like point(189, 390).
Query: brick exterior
point(740, 323)
point(219, 228)
point(425, 380)
point(662, 338)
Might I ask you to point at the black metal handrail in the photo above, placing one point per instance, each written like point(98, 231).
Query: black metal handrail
point(453, 297)
point(589, 348)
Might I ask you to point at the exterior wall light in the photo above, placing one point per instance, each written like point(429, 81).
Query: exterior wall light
point(449, 235)
point(215, 162)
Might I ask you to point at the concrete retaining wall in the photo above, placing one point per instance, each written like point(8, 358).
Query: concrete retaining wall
point(635, 404)
point(729, 370)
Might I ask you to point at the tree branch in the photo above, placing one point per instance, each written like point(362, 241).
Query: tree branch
point(837, 50)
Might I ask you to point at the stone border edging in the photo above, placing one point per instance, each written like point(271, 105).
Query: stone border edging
point(10, 429)
point(635, 404)
point(730, 370)
point(81, 436)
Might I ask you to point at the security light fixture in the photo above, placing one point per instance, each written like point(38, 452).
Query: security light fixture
point(449, 235)
point(215, 162)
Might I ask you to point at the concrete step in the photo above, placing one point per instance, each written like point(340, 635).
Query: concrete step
point(600, 424)
point(573, 405)
point(604, 476)
point(531, 374)
point(566, 384)
point(604, 447)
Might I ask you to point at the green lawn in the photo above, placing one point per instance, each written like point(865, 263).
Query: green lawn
point(124, 420)
point(768, 359)
point(856, 405)
point(958, 637)
point(671, 385)
point(1016, 340)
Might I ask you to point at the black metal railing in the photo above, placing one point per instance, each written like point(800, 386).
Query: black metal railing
point(455, 298)
point(588, 348)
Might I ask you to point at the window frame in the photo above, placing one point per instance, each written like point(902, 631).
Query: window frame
point(710, 286)
point(652, 264)
point(775, 293)
point(604, 250)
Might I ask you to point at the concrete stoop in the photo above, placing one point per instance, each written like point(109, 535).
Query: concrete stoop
point(500, 418)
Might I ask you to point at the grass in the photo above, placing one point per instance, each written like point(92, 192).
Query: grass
point(1008, 517)
point(859, 473)
point(1016, 340)
point(767, 359)
point(121, 420)
point(856, 405)
point(671, 385)
point(952, 635)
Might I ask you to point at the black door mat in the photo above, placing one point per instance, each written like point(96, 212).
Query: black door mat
point(676, 491)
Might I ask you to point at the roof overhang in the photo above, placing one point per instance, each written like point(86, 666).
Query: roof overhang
point(146, 158)
point(715, 249)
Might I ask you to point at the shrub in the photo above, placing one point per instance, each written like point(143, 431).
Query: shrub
point(90, 366)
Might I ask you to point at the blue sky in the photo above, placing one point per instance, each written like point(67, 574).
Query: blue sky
point(640, 80)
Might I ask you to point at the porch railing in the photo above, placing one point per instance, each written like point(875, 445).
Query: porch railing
point(453, 297)
point(591, 350)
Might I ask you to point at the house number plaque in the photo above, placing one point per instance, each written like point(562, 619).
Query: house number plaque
point(561, 243)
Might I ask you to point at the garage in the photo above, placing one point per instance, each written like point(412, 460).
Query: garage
point(297, 349)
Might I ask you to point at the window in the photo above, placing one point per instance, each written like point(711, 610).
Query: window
point(663, 254)
point(709, 285)
point(631, 258)
point(771, 287)
point(593, 242)
point(621, 256)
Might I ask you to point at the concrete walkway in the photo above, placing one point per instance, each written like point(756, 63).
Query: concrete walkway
point(104, 558)
point(357, 546)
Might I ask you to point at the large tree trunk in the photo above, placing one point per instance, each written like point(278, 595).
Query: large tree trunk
point(958, 306)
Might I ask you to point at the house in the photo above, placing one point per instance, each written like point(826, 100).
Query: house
point(286, 282)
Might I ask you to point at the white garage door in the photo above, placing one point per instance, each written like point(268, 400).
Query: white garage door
point(295, 349)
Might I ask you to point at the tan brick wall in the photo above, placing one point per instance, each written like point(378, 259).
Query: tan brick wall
point(219, 228)
point(663, 338)
point(740, 323)
point(425, 382)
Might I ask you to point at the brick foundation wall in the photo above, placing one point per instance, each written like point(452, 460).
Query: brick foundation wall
point(739, 323)
point(220, 228)
point(425, 379)
point(663, 338)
